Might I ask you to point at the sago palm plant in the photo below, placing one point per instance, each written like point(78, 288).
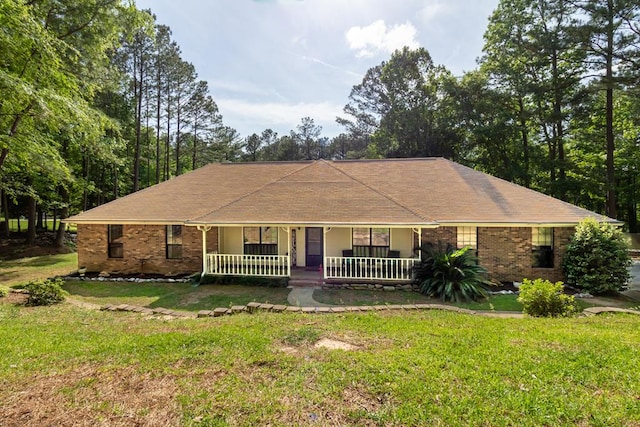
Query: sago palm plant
point(450, 274)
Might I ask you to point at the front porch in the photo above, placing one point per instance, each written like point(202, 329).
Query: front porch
point(338, 254)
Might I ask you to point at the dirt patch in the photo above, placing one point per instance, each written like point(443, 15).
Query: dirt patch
point(88, 396)
point(14, 298)
point(335, 345)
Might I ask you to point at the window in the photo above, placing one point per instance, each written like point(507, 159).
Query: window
point(371, 242)
point(174, 241)
point(114, 233)
point(467, 237)
point(261, 240)
point(542, 247)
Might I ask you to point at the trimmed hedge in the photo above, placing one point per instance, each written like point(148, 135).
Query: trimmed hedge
point(542, 298)
point(597, 258)
point(45, 292)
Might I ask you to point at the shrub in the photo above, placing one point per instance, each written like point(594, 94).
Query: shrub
point(450, 274)
point(542, 298)
point(4, 291)
point(597, 258)
point(45, 292)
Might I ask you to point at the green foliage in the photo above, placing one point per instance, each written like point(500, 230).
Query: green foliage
point(451, 274)
point(597, 258)
point(542, 298)
point(4, 291)
point(45, 292)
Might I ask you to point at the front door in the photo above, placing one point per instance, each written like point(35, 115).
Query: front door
point(313, 246)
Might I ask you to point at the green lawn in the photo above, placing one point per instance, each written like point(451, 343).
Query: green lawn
point(21, 270)
point(176, 296)
point(64, 365)
point(13, 224)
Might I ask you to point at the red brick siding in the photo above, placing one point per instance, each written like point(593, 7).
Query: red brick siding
point(144, 249)
point(506, 253)
point(446, 235)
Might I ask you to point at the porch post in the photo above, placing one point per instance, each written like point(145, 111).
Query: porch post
point(204, 229)
point(289, 251)
point(324, 252)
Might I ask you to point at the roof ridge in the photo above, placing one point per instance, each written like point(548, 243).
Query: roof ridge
point(254, 191)
point(375, 190)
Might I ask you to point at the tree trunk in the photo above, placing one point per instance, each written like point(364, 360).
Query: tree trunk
point(611, 180)
point(31, 221)
point(64, 213)
point(5, 212)
point(40, 220)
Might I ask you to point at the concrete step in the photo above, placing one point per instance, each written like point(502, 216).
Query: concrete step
point(304, 283)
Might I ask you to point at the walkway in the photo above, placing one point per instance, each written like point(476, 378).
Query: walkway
point(303, 297)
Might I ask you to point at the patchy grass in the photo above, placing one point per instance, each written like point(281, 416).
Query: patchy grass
point(15, 271)
point(367, 297)
point(177, 296)
point(62, 365)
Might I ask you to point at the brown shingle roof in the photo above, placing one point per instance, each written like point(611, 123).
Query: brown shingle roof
point(394, 191)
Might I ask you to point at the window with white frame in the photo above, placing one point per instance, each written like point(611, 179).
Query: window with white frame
point(260, 240)
point(542, 247)
point(371, 242)
point(467, 237)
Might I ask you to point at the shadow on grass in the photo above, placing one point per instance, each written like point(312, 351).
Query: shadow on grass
point(179, 296)
point(40, 261)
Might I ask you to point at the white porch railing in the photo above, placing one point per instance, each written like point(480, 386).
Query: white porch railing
point(248, 265)
point(369, 268)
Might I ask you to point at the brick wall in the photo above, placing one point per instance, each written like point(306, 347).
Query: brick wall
point(446, 235)
point(506, 251)
point(144, 249)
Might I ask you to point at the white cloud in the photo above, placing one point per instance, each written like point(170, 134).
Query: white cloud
point(244, 115)
point(433, 10)
point(380, 38)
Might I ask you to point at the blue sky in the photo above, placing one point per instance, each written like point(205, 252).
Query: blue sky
point(271, 62)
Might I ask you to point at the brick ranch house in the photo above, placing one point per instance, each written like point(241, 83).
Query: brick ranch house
point(351, 220)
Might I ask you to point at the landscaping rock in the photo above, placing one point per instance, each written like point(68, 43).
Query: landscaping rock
point(279, 308)
point(308, 309)
point(323, 310)
point(293, 308)
point(388, 288)
point(266, 307)
point(205, 313)
point(583, 295)
point(253, 306)
point(219, 312)
point(238, 309)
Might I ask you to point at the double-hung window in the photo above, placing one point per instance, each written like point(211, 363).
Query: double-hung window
point(467, 237)
point(174, 241)
point(371, 242)
point(115, 241)
point(260, 240)
point(542, 247)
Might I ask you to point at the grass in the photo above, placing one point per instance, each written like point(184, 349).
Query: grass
point(22, 270)
point(178, 296)
point(414, 368)
point(13, 225)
